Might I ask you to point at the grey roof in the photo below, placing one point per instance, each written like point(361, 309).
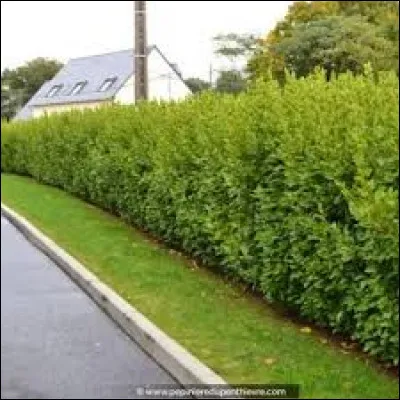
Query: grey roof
point(94, 70)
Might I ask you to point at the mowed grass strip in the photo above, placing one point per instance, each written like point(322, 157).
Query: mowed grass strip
point(242, 340)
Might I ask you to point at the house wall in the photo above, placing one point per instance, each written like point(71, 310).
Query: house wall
point(38, 111)
point(126, 94)
point(164, 84)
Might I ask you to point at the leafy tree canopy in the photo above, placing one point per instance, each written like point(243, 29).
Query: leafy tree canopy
point(334, 35)
point(20, 84)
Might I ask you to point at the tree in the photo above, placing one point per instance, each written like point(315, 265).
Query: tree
point(230, 81)
point(5, 102)
point(20, 84)
point(337, 44)
point(380, 17)
point(11, 100)
point(236, 47)
point(233, 45)
point(376, 12)
point(197, 85)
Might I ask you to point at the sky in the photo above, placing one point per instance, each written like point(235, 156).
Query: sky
point(183, 30)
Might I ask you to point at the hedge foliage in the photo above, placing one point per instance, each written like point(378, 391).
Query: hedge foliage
point(293, 190)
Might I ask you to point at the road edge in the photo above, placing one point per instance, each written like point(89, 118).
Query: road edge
point(174, 358)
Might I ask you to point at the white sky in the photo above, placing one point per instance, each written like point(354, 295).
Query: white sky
point(183, 30)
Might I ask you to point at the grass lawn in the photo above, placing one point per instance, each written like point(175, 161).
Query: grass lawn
point(242, 339)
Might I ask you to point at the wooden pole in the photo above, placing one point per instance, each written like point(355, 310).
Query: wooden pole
point(140, 71)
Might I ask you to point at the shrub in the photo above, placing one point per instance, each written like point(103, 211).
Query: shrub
point(293, 191)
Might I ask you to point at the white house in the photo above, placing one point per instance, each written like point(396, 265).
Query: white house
point(90, 82)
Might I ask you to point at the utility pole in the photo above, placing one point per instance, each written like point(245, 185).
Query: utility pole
point(140, 71)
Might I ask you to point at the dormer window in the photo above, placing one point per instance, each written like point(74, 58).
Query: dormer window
point(54, 90)
point(78, 88)
point(106, 85)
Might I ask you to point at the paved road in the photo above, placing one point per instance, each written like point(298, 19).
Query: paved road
point(55, 342)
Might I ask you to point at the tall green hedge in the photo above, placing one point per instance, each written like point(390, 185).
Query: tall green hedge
point(292, 190)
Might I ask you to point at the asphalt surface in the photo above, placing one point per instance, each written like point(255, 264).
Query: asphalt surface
point(55, 342)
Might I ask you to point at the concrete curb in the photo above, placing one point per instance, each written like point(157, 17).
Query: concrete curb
point(182, 365)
